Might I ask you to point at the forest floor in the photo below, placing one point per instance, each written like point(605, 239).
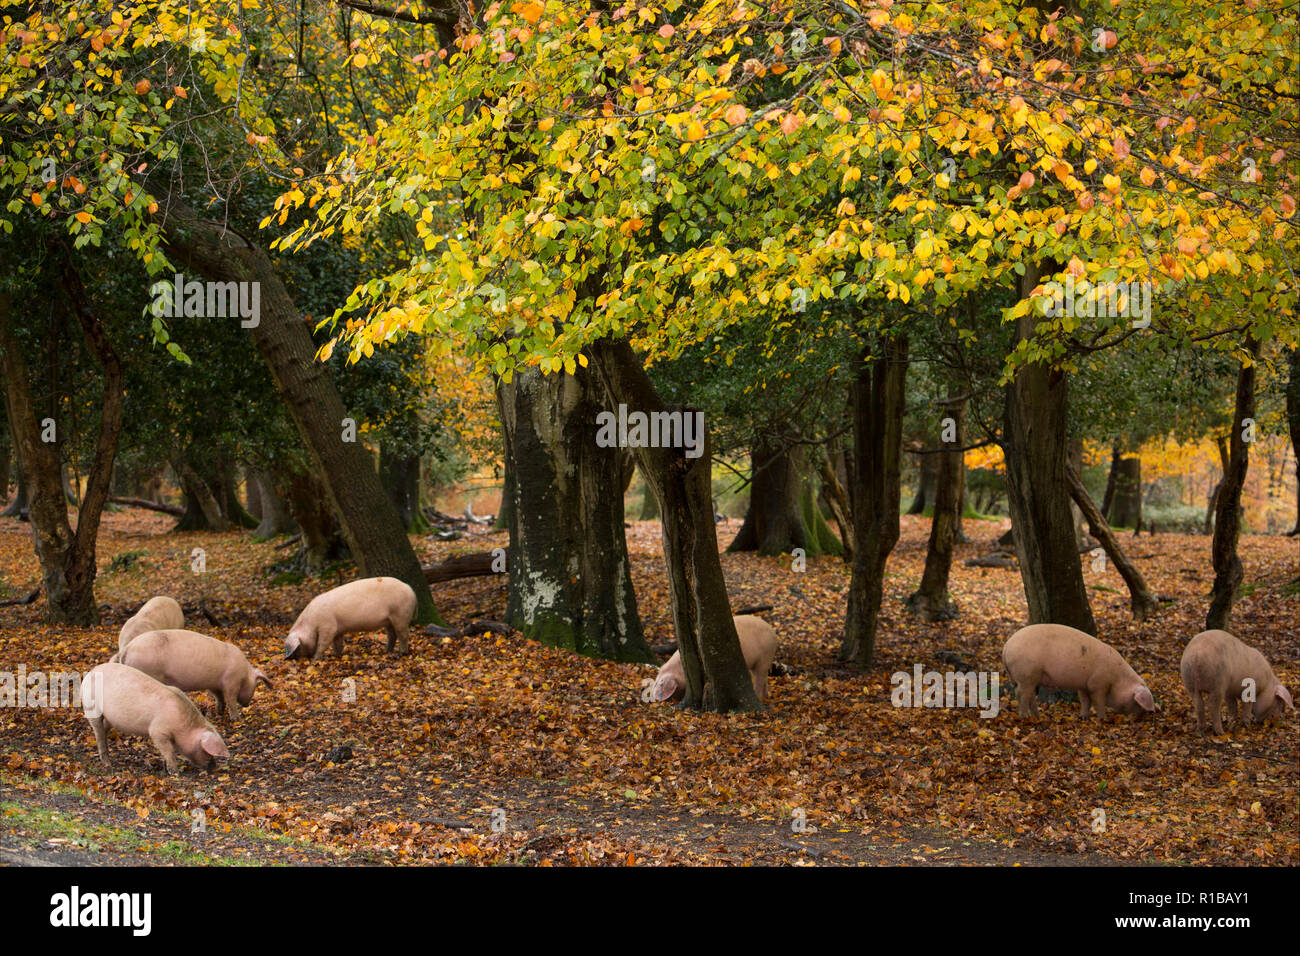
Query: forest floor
point(490, 749)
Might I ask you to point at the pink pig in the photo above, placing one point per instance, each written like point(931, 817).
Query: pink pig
point(195, 661)
point(757, 642)
point(366, 604)
point(1217, 666)
point(1063, 658)
point(121, 698)
point(157, 614)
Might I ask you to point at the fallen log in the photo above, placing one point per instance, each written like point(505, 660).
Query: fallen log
point(23, 600)
point(461, 566)
point(473, 627)
point(752, 609)
point(166, 509)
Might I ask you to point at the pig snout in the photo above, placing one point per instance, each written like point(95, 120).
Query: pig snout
point(296, 646)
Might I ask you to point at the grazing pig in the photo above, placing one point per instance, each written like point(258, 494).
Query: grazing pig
point(363, 605)
point(195, 661)
point(158, 614)
point(1217, 665)
point(121, 698)
point(757, 642)
point(1062, 658)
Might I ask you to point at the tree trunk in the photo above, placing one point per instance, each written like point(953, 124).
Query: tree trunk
point(309, 505)
point(5, 458)
point(202, 509)
point(1126, 504)
point(67, 558)
point(1227, 513)
point(879, 394)
point(1141, 601)
point(570, 581)
point(505, 513)
point(1293, 426)
point(1222, 443)
point(252, 495)
point(1036, 446)
point(773, 523)
point(400, 476)
point(716, 675)
point(276, 519)
point(1111, 476)
point(931, 600)
point(228, 495)
point(927, 468)
point(374, 532)
point(836, 500)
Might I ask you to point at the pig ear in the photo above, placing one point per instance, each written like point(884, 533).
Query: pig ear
point(1144, 699)
point(1285, 694)
point(259, 676)
point(291, 645)
point(213, 744)
point(665, 687)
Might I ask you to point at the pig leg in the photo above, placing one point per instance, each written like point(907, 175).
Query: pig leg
point(101, 738)
point(760, 683)
point(399, 633)
point(1233, 702)
point(163, 741)
point(1199, 699)
point(230, 693)
point(1026, 699)
point(1086, 701)
point(1216, 715)
point(325, 636)
point(1099, 702)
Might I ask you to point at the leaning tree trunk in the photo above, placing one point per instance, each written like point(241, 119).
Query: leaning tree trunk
point(836, 501)
point(931, 600)
point(1293, 426)
point(1116, 455)
point(374, 532)
point(67, 558)
point(1228, 572)
point(716, 675)
point(1141, 601)
point(879, 393)
point(570, 577)
point(773, 523)
point(1036, 447)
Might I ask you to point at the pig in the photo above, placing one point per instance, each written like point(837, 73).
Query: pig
point(1062, 658)
point(121, 698)
point(366, 604)
point(158, 614)
point(757, 642)
point(193, 661)
point(1215, 665)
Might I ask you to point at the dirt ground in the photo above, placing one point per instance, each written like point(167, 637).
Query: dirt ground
point(488, 749)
